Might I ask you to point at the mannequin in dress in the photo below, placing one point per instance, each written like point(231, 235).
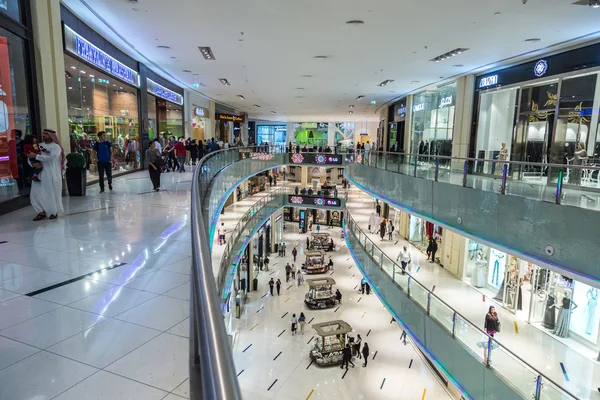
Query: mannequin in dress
point(580, 158)
point(592, 297)
point(480, 273)
point(550, 313)
point(564, 317)
point(503, 156)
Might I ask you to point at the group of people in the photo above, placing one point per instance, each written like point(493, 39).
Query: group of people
point(382, 226)
point(357, 348)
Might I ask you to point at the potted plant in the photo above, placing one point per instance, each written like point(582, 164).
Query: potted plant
point(76, 174)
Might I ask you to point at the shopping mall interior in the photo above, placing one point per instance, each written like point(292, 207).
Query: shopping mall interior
point(299, 200)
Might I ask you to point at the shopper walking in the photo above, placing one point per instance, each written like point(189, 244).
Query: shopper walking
point(283, 247)
point(299, 277)
point(357, 344)
point(103, 150)
point(271, 286)
point(365, 353)
point(368, 288)
point(294, 253)
point(46, 195)
point(302, 322)
point(221, 233)
point(492, 323)
point(194, 151)
point(180, 153)
point(267, 261)
point(404, 257)
point(390, 229)
point(278, 286)
point(288, 271)
point(338, 296)
point(382, 227)
point(432, 248)
point(363, 283)
point(347, 354)
point(154, 164)
point(294, 322)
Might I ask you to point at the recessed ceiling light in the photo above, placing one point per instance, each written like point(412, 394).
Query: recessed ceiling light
point(385, 83)
point(355, 22)
point(85, 87)
point(83, 72)
point(70, 87)
point(224, 81)
point(206, 52)
point(187, 70)
point(458, 65)
point(533, 40)
point(73, 67)
point(91, 76)
point(257, 106)
point(163, 47)
point(121, 87)
point(321, 57)
point(350, 112)
point(351, 106)
point(299, 88)
point(360, 97)
point(373, 102)
point(497, 13)
point(306, 76)
point(449, 54)
point(241, 97)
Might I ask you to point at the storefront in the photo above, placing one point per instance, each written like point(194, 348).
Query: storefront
point(432, 121)
point(540, 112)
point(102, 96)
point(535, 294)
point(419, 232)
point(229, 127)
point(19, 100)
point(311, 133)
point(165, 110)
point(272, 134)
point(314, 216)
point(397, 125)
point(199, 117)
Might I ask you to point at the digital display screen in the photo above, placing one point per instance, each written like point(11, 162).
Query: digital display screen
point(314, 201)
point(316, 158)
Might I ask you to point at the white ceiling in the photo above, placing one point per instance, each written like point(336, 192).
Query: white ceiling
point(281, 37)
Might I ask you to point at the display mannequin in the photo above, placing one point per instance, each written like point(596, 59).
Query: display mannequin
point(480, 273)
point(564, 317)
point(592, 296)
point(121, 141)
point(550, 313)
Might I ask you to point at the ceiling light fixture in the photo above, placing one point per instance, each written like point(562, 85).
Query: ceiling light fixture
point(273, 112)
point(187, 70)
point(257, 106)
point(224, 81)
point(299, 88)
point(415, 81)
point(351, 106)
point(241, 97)
point(350, 112)
point(163, 47)
point(355, 22)
point(360, 97)
point(206, 52)
point(386, 82)
point(450, 54)
point(535, 39)
point(321, 57)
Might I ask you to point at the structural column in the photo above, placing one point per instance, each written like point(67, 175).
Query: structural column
point(461, 136)
point(211, 128)
point(52, 88)
point(250, 264)
point(289, 132)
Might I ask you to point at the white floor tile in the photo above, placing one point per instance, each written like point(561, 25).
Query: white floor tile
point(183, 390)
point(52, 327)
point(159, 313)
point(13, 352)
point(181, 329)
point(22, 308)
point(81, 266)
point(73, 291)
point(181, 267)
point(113, 301)
point(34, 281)
point(41, 376)
point(104, 386)
point(10, 270)
point(158, 282)
point(162, 362)
point(181, 292)
point(97, 346)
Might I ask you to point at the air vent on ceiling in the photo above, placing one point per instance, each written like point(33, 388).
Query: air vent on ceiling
point(449, 54)
point(206, 53)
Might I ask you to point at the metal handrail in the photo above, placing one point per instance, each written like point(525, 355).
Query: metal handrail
point(456, 313)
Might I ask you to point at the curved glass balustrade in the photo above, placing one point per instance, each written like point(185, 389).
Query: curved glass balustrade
point(481, 365)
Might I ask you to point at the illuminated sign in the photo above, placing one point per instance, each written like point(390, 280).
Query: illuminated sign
point(77, 45)
point(418, 107)
point(402, 110)
point(540, 68)
point(227, 117)
point(314, 201)
point(446, 101)
point(163, 92)
point(201, 112)
point(316, 158)
point(488, 81)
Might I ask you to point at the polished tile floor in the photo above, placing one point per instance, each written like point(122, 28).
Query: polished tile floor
point(540, 349)
point(118, 333)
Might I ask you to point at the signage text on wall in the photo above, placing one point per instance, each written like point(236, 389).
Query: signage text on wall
point(82, 48)
point(419, 107)
point(163, 92)
point(445, 101)
point(488, 81)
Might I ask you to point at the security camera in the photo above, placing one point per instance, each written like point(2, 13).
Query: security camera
point(524, 1)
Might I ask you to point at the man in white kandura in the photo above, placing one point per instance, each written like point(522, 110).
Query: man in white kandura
point(46, 195)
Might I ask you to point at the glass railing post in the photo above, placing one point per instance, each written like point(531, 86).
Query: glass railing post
point(415, 169)
point(428, 302)
point(559, 184)
point(504, 173)
point(454, 325)
point(538, 388)
point(408, 287)
point(465, 174)
point(437, 169)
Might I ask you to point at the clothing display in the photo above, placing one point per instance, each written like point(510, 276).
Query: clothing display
point(479, 277)
point(550, 313)
point(564, 316)
point(592, 295)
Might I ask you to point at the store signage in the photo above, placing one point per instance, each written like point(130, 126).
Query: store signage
point(227, 117)
point(446, 101)
point(402, 110)
point(280, 129)
point(163, 92)
point(540, 69)
point(419, 107)
point(201, 112)
point(77, 45)
point(314, 158)
point(488, 81)
point(314, 201)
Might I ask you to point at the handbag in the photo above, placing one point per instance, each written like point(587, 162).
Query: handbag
point(498, 326)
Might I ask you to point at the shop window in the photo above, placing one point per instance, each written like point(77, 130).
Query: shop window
point(170, 118)
point(98, 102)
point(271, 134)
point(495, 129)
point(152, 126)
point(11, 8)
point(15, 118)
point(311, 133)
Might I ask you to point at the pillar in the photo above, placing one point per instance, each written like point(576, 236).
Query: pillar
point(289, 132)
point(211, 128)
point(250, 264)
point(49, 57)
point(244, 129)
point(465, 91)
point(331, 134)
point(408, 126)
point(304, 176)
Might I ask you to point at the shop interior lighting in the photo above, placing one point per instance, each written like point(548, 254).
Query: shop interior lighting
point(449, 54)
point(360, 97)
point(224, 81)
point(386, 82)
point(241, 97)
point(206, 52)
point(83, 72)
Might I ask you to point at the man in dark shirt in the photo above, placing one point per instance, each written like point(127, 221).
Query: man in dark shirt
point(347, 353)
point(103, 150)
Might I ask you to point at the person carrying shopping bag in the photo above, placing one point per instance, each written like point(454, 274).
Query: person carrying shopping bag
point(405, 259)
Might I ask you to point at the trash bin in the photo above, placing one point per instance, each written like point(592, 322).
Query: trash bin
point(255, 284)
point(276, 247)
